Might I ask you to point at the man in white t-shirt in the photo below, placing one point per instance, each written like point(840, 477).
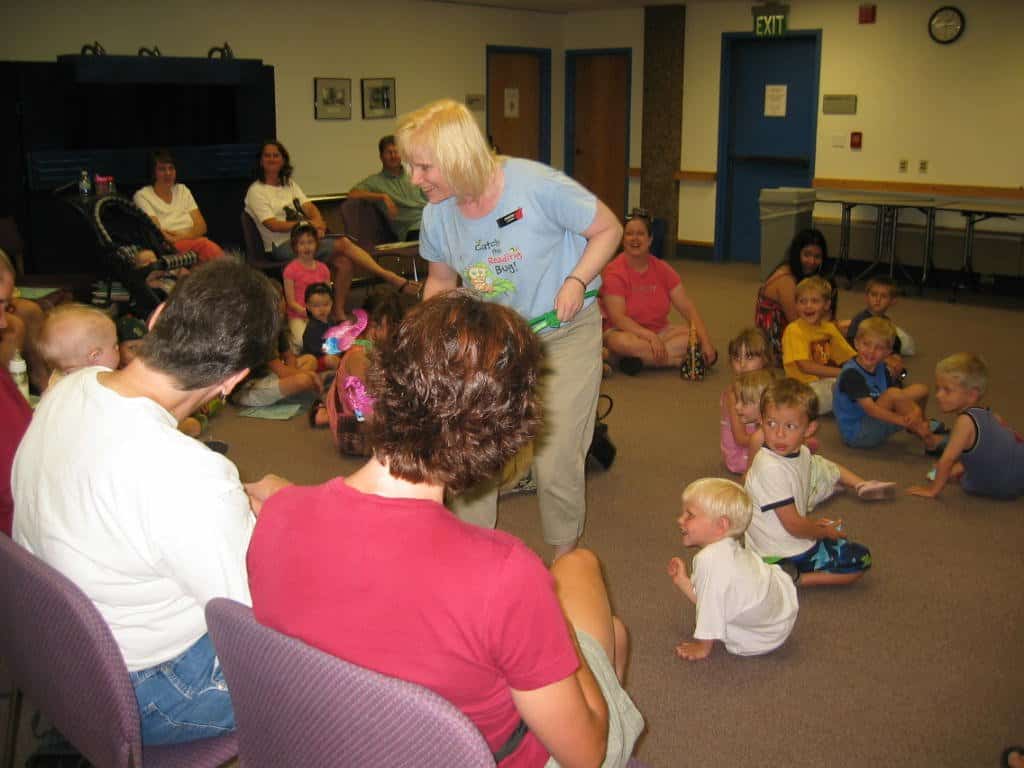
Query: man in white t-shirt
point(748, 605)
point(148, 522)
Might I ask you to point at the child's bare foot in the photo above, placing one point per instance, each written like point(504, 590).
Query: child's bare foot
point(695, 650)
point(874, 490)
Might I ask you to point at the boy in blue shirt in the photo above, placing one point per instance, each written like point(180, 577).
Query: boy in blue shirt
point(867, 405)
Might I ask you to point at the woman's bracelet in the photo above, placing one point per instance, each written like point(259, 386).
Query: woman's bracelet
point(577, 279)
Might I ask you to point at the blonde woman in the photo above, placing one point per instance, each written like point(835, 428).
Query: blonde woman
point(524, 235)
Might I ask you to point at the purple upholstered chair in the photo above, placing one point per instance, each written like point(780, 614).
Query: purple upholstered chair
point(296, 705)
point(61, 654)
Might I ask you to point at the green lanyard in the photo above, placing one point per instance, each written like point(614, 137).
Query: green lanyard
point(550, 319)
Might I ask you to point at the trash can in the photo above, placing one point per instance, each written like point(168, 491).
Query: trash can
point(784, 212)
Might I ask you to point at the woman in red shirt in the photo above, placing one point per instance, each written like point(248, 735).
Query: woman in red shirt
point(374, 569)
point(637, 294)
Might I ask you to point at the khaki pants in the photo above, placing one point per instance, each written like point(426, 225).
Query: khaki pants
point(569, 390)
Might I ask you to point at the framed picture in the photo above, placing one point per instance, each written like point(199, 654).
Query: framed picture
point(378, 97)
point(332, 98)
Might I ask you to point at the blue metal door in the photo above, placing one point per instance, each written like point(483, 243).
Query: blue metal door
point(757, 146)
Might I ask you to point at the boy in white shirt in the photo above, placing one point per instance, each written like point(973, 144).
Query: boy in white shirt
point(747, 604)
point(785, 482)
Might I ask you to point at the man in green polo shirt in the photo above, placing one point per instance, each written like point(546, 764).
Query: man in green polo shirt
point(393, 192)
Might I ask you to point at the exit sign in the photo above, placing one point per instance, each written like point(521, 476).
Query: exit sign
point(770, 26)
point(770, 19)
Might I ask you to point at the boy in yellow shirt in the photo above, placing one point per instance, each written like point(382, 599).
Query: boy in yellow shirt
point(813, 348)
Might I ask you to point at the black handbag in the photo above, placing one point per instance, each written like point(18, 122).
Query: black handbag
point(602, 450)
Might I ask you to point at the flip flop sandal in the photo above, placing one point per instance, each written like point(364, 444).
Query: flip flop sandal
point(875, 490)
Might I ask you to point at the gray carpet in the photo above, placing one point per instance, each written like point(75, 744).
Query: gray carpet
point(915, 665)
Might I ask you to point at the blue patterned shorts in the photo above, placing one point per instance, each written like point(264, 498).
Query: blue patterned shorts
point(828, 556)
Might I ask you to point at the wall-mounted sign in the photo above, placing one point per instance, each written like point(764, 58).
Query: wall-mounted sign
point(770, 19)
point(512, 103)
point(775, 100)
point(839, 104)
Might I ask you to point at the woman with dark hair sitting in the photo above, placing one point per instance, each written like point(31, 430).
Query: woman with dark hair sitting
point(173, 209)
point(776, 299)
point(277, 204)
point(374, 569)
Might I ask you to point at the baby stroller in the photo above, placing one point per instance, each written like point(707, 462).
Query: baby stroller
point(125, 236)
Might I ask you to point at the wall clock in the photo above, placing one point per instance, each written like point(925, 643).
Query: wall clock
point(946, 25)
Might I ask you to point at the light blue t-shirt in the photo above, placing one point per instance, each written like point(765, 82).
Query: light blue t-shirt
point(521, 252)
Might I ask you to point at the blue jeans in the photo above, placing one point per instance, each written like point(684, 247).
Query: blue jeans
point(184, 699)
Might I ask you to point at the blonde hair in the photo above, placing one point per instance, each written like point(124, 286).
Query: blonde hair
point(447, 132)
point(755, 341)
point(717, 498)
point(749, 386)
point(881, 328)
point(816, 284)
point(70, 332)
point(790, 393)
point(966, 369)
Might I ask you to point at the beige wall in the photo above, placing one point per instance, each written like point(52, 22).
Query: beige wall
point(433, 50)
point(960, 107)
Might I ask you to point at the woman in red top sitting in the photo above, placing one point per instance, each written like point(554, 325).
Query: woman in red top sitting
point(374, 569)
point(637, 293)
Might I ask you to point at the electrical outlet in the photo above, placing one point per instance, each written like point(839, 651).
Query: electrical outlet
point(903, 165)
point(922, 167)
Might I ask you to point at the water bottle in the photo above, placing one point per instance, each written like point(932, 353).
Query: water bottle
point(84, 185)
point(19, 372)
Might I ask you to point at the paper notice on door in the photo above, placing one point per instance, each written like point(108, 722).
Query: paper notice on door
point(512, 102)
point(775, 100)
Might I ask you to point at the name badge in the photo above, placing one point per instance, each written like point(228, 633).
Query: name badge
point(510, 218)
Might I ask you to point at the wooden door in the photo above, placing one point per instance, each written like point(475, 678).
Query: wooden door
point(598, 136)
point(514, 103)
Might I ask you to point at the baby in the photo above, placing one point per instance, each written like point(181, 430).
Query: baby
point(77, 336)
point(747, 604)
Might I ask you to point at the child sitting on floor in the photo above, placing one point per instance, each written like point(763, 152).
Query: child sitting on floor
point(785, 482)
point(302, 271)
point(319, 302)
point(869, 406)
point(347, 406)
point(747, 392)
point(749, 351)
point(983, 451)
point(741, 600)
point(879, 294)
point(812, 346)
point(284, 375)
point(75, 336)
